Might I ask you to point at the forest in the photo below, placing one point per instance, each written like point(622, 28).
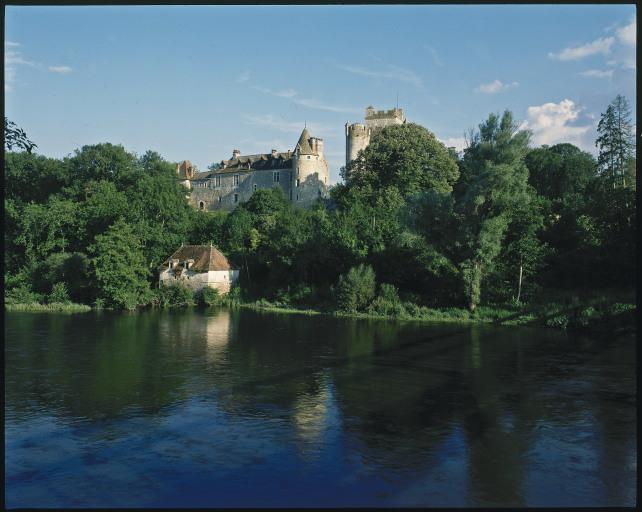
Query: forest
point(414, 230)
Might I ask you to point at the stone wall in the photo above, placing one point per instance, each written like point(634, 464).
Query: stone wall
point(206, 195)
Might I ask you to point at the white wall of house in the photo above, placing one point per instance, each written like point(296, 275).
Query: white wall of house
point(222, 280)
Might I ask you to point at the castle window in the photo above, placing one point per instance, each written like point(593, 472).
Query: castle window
point(290, 195)
point(308, 157)
point(276, 176)
point(201, 205)
point(297, 182)
point(236, 180)
point(220, 198)
point(255, 187)
point(236, 198)
point(297, 197)
point(218, 181)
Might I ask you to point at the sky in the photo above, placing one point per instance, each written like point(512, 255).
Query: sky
point(196, 82)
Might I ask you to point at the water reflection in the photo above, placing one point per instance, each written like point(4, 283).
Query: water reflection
point(210, 408)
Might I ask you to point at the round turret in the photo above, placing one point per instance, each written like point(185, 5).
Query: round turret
point(357, 138)
point(310, 170)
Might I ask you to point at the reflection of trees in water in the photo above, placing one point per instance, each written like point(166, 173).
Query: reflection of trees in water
point(97, 365)
point(399, 392)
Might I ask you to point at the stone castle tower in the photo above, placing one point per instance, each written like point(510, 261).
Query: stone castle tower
point(358, 135)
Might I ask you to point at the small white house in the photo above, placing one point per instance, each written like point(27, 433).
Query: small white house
point(198, 266)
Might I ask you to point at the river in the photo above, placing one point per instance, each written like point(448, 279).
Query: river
point(224, 408)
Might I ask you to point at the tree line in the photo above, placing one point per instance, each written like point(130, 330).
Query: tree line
point(412, 223)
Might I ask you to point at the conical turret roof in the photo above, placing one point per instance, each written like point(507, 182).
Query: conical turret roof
point(303, 144)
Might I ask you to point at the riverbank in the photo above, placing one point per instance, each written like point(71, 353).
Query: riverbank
point(57, 307)
point(607, 312)
point(602, 313)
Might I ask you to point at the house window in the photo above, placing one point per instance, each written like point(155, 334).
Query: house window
point(276, 176)
point(236, 198)
point(236, 180)
point(297, 182)
point(255, 187)
point(218, 181)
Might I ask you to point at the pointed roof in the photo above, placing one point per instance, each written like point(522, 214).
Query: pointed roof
point(303, 144)
point(206, 257)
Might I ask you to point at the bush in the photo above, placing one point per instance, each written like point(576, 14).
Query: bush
point(59, 294)
point(387, 302)
point(210, 296)
point(21, 295)
point(356, 289)
point(176, 295)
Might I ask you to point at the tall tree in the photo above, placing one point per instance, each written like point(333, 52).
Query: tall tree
point(407, 157)
point(615, 140)
point(497, 179)
point(119, 265)
point(16, 137)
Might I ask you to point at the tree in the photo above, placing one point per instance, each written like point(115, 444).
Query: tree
point(356, 289)
point(119, 266)
point(407, 157)
point(16, 137)
point(615, 141)
point(496, 178)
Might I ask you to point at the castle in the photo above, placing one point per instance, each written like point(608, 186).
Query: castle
point(358, 135)
point(302, 174)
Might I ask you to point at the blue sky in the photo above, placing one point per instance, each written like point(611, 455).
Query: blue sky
point(197, 82)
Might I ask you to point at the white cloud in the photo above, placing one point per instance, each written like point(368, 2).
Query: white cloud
point(281, 125)
point(459, 143)
point(627, 34)
point(285, 93)
point(495, 86)
point(292, 94)
point(243, 77)
point(319, 105)
point(550, 123)
point(12, 59)
point(598, 73)
point(393, 73)
point(59, 69)
point(599, 46)
point(435, 56)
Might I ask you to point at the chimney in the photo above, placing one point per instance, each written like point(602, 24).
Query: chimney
point(236, 153)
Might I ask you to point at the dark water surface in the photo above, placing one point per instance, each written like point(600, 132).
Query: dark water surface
point(242, 408)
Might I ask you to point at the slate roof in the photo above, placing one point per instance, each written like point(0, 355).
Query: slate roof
point(260, 162)
point(303, 144)
point(205, 258)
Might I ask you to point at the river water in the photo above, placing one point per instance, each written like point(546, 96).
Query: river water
point(241, 408)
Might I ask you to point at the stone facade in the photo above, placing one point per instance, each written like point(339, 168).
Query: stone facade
point(197, 267)
point(302, 174)
point(358, 135)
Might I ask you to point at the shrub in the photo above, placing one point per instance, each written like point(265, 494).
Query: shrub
point(210, 296)
point(21, 295)
point(356, 289)
point(59, 294)
point(387, 302)
point(176, 295)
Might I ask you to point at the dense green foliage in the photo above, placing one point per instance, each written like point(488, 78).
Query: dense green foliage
point(415, 231)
